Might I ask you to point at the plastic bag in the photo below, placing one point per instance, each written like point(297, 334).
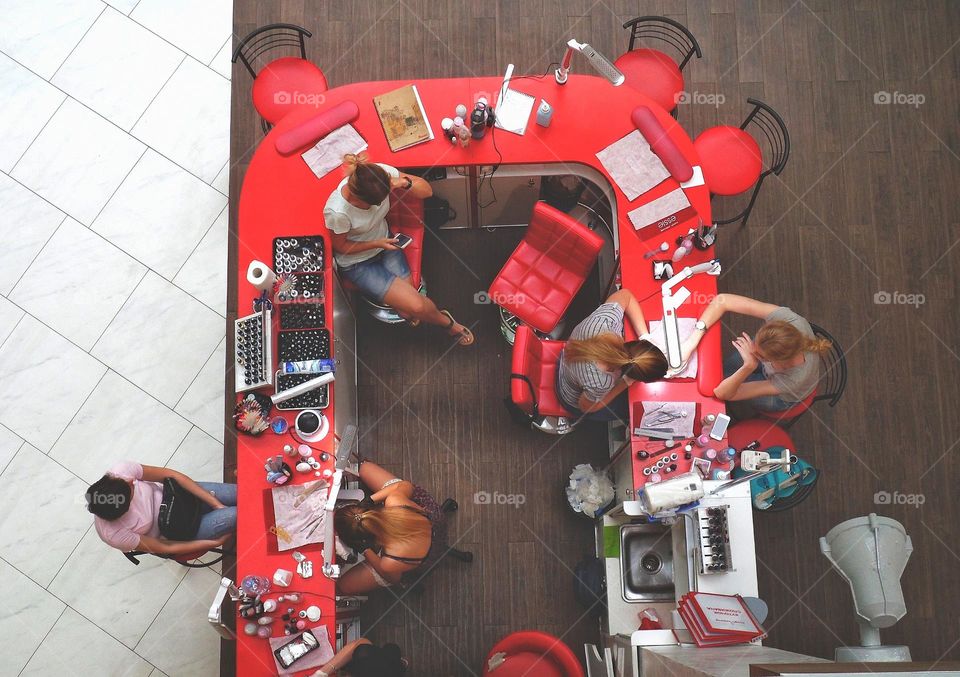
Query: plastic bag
point(589, 490)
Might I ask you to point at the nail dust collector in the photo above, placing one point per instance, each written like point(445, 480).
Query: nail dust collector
point(600, 63)
point(871, 554)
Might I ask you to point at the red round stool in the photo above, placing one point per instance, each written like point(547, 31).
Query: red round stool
point(731, 159)
point(531, 653)
point(768, 433)
point(285, 83)
point(653, 73)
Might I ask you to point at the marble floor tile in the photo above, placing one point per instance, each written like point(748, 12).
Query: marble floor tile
point(39, 529)
point(41, 36)
point(118, 596)
point(137, 427)
point(29, 221)
point(25, 619)
point(204, 275)
point(221, 62)
point(160, 213)
point(26, 103)
point(43, 381)
point(222, 182)
point(77, 283)
point(75, 646)
point(188, 121)
point(183, 623)
point(117, 68)
point(78, 161)
point(10, 444)
point(198, 28)
point(160, 339)
point(10, 316)
point(125, 6)
point(202, 403)
point(200, 457)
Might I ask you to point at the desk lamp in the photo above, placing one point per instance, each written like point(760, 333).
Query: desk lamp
point(600, 63)
point(673, 300)
point(871, 553)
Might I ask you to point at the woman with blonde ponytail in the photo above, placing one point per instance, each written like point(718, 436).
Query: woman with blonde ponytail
point(597, 365)
point(777, 368)
point(394, 530)
point(367, 254)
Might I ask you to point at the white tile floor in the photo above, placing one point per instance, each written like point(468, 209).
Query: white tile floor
point(114, 120)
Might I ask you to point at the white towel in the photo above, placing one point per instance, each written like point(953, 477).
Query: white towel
point(657, 336)
point(634, 167)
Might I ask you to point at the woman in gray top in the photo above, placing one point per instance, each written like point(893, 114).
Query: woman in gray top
point(773, 371)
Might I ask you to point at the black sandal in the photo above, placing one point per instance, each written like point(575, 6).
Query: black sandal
point(466, 336)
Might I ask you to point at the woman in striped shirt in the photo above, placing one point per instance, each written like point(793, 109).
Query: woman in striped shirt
point(597, 365)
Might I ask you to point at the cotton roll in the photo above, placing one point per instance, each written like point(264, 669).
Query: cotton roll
point(260, 276)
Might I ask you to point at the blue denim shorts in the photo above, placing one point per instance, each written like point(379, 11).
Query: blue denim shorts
point(374, 276)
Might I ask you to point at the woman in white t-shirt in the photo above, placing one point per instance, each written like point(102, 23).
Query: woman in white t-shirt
point(365, 252)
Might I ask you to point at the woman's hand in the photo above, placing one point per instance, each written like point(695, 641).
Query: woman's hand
point(744, 346)
point(386, 243)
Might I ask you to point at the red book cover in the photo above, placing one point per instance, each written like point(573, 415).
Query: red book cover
point(725, 614)
point(718, 620)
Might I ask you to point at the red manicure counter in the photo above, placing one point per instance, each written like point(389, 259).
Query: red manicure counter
point(282, 197)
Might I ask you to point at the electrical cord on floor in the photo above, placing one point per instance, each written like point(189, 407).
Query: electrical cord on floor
point(488, 176)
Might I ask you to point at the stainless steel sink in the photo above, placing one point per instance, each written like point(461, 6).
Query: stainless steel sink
point(646, 561)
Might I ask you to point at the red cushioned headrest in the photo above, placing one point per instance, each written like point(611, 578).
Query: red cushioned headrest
point(661, 143)
point(310, 131)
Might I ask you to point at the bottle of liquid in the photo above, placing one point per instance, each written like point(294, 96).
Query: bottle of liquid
point(544, 113)
point(462, 132)
point(446, 124)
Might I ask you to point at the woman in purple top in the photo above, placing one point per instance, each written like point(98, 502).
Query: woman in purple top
point(126, 501)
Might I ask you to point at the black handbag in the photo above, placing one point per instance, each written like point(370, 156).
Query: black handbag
point(180, 511)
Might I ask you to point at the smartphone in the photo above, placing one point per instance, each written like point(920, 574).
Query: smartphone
point(402, 240)
point(719, 428)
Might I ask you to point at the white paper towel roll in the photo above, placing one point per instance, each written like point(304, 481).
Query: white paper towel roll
point(260, 276)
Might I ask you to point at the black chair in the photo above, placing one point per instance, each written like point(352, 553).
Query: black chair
point(414, 581)
point(830, 387)
point(732, 158)
point(651, 71)
point(192, 561)
point(271, 98)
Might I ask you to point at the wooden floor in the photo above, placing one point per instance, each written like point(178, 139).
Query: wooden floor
point(867, 204)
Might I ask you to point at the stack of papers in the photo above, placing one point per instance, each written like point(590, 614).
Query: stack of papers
point(633, 166)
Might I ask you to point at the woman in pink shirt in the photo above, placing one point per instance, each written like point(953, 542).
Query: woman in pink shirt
point(126, 503)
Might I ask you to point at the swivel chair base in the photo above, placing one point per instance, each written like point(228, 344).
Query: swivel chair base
point(553, 425)
point(509, 323)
